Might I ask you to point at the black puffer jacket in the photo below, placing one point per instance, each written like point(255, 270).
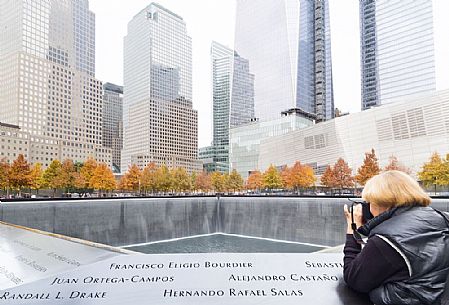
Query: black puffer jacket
point(421, 236)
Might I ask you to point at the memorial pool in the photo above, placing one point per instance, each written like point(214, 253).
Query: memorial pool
point(224, 243)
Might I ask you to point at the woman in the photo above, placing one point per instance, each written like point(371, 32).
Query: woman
point(406, 257)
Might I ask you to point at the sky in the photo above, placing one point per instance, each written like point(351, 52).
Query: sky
point(209, 20)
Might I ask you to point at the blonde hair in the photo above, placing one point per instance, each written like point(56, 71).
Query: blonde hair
point(394, 188)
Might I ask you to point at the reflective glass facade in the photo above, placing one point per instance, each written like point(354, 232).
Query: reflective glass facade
point(221, 57)
point(113, 121)
point(230, 107)
point(287, 44)
point(245, 140)
point(397, 50)
point(242, 96)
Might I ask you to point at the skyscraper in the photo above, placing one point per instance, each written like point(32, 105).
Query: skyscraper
point(221, 57)
point(287, 44)
point(47, 76)
point(242, 95)
point(159, 122)
point(230, 107)
point(113, 121)
point(397, 50)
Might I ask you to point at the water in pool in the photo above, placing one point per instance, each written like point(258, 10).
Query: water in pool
point(217, 243)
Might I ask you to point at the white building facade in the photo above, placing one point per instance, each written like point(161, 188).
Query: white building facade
point(13, 142)
point(410, 129)
point(159, 122)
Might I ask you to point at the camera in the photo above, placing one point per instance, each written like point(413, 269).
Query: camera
point(366, 213)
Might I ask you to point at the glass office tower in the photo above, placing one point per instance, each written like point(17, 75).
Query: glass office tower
point(397, 50)
point(113, 122)
point(159, 122)
point(230, 107)
point(287, 44)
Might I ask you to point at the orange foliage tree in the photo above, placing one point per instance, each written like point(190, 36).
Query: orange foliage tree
point(84, 177)
point(286, 177)
point(254, 181)
point(131, 179)
point(369, 168)
point(19, 173)
point(68, 175)
point(103, 179)
point(148, 178)
point(328, 178)
point(343, 174)
point(4, 175)
point(301, 176)
point(394, 164)
point(202, 182)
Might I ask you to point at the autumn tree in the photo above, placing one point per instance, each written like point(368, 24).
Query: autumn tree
point(52, 176)
point(369, 168)
point(164, 179)
point(203, 182)
point(131, 179)
point(271, 178)
point(85, 173)
point(328, 178)
point(19, 174)
point(180, 180)
point(193, 176)
point(148, 178)
point(4, 175)
point(301, 176)
point(394, 164)
point(445, 171)
point(36, 177)
point(254, 181)
point(343, 175)
point(226, 182)
point(103, 179)
point(68, 174)
point(286, 177)
point(235, 181)
point(218, 182)
point(434, 172)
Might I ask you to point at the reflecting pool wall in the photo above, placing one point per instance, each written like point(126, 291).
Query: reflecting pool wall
point(120, 222)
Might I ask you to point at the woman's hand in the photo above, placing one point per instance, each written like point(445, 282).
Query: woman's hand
point(358, 217)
